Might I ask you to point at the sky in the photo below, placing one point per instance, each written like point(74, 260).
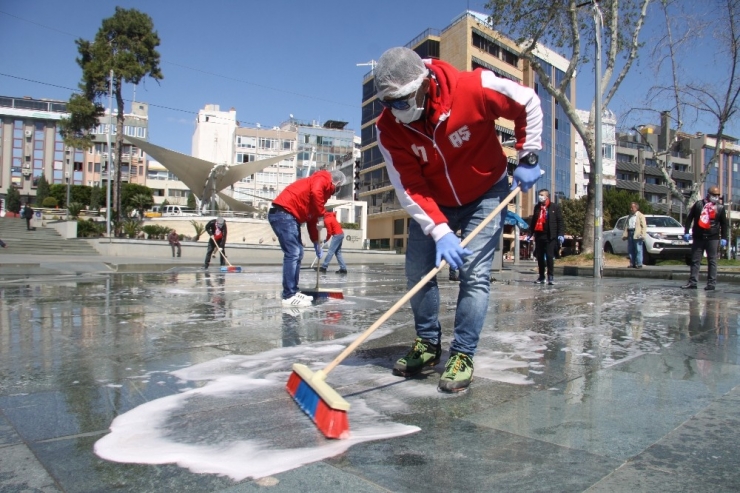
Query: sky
point(267, 59)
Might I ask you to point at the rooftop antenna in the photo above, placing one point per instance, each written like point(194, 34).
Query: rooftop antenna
point(371, 63)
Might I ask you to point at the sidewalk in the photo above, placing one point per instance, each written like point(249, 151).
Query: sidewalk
point(174, 381)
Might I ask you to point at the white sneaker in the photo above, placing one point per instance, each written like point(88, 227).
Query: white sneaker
point(304, 296)
point(296, 300)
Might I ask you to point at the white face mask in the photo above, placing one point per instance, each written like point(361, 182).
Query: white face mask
point(542, 199)
point(713, 199)
point(410, 114)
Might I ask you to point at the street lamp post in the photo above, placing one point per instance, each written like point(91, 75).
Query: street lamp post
point(110, 157)
point(598, 191)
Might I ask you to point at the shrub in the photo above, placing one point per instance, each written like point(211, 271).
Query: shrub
point(155, 231)
point(131, 227)
point(74, 209)
point(90, 229)
point(49, 203)
point(199, 229)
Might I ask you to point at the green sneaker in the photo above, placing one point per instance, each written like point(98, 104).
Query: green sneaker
point(458, 373)
point(423, 353)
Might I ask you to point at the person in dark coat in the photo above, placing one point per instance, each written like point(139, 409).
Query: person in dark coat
point(548, 229)
point(216, 229)
point(28, 215)
point(709, 232)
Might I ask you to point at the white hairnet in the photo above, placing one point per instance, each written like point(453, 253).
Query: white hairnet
point(338, 178)
point(400, 71)
point(220, 221)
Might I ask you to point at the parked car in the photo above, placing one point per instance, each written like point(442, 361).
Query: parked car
point(664, 240)
point(176, 210)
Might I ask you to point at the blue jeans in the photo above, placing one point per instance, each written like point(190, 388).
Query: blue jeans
point(634, 248)
point(288, 232)
point(335, 248)
point(475, 274)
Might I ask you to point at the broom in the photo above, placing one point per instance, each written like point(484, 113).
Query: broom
point(322, 293)
point(321, 402)
point(230, 268)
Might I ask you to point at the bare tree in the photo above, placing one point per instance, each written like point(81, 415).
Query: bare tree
point(567, 25)
point(718, 98)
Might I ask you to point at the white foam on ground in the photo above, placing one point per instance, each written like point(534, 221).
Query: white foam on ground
point(145, 434)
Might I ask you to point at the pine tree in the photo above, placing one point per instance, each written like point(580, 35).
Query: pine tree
point(42, 189)
point(125, 45)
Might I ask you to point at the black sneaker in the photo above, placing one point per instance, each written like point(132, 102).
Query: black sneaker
point(550, 281)
point(540, 280)
point(322, 269)
point(423, 353)
point(710, 287)
point(341, 271)
point(688, 285)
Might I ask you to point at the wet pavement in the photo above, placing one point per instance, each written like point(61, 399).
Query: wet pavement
point(174, 381)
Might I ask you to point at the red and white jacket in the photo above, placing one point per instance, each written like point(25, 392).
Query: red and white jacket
point(305, 200)
point(452, 156)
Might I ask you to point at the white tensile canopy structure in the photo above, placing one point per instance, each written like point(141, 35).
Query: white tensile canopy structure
point(204, 178)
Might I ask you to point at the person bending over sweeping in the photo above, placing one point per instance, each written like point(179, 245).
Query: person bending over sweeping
point(300, 202)
point(438, 137)
point(335, 233)
point(216, 229)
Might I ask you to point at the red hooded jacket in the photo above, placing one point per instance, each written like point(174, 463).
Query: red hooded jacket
point(332, 225)
point(305, 199)
point(452, 156)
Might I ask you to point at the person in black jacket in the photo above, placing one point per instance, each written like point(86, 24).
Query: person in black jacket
point(216, 229)
point(548, 229)
point(709, 232)
point(28, 215)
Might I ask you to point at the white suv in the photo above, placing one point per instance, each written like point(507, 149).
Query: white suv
point(664, 240)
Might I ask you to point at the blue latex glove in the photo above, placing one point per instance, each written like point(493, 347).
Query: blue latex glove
point(317, 249)
point(448, 248)
point(561, 239)
point(686, 237)
point(723, 243)
point(525, 176)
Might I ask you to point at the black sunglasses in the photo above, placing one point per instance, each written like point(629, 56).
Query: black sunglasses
point(400, 103)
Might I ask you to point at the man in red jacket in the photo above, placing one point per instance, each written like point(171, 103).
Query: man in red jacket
point(438, 137)
point(300, 202)
point(334, 232)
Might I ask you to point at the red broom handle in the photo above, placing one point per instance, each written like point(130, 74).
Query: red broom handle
point(417, 287)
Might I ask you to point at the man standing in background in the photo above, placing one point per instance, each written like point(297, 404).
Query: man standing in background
point(548, 228)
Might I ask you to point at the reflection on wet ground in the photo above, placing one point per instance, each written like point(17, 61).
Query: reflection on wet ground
point(174, 382)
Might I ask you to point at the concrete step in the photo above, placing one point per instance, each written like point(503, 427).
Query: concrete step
point(41, 241)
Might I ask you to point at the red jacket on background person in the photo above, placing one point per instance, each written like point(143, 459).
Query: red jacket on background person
point(304, 199)
point(453, 156)
point(332, 225)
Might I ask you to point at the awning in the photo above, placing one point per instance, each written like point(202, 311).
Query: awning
point(513, 219)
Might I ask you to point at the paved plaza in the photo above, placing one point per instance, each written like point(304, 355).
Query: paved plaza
point(172, 379)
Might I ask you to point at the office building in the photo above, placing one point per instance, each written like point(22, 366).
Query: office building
point(30, 145)
point(467, 43)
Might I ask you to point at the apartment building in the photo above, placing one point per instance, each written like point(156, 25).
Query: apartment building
point(582, 166)
point(30, 145)
point(467, 43)
point(643, 154)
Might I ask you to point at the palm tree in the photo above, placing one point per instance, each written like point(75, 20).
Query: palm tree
point(141, 202)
